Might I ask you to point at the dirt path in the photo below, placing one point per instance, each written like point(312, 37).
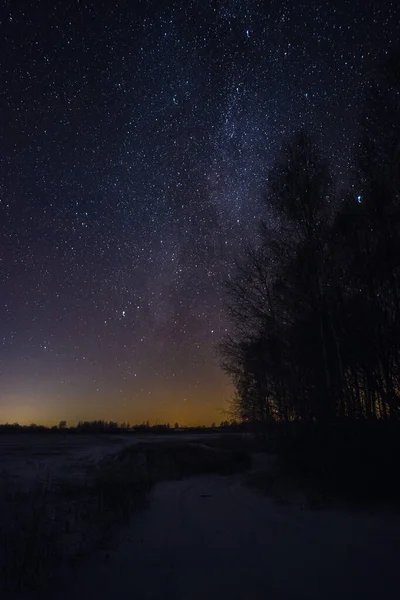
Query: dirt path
point(212, 538)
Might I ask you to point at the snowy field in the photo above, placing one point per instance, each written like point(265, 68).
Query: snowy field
point(26, 458)
point(213, 537)
point(63, 494)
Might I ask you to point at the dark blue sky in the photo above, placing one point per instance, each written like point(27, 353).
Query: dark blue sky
point(135, 140)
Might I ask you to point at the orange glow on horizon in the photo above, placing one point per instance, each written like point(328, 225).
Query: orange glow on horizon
point(190, 408)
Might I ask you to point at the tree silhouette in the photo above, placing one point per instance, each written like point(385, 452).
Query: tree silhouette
point(316, 306)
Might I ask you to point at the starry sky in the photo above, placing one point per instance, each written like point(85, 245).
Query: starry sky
point(135, 141)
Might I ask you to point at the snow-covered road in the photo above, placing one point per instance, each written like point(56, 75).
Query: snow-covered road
point(212, 538)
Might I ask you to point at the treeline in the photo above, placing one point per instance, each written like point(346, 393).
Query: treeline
point(110, 427)
point(315, 306)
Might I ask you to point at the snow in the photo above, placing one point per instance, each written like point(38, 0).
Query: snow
point(29, 458)
point(212, 537)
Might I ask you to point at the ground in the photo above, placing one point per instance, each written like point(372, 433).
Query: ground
point(27, 457)
point(213, 537)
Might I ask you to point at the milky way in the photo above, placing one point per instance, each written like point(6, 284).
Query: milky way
point(135, 141)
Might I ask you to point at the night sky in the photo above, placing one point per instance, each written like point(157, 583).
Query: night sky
point(135, 140)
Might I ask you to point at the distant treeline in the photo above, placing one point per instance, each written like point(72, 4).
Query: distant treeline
point(101, 426)
point(315, 304)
